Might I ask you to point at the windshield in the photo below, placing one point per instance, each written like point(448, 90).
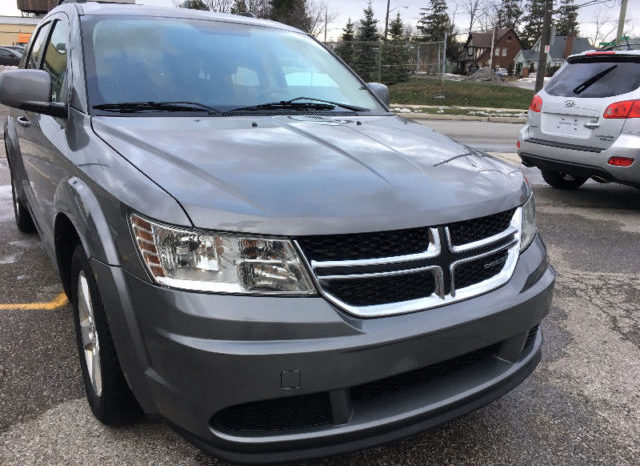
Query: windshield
point(595, 78)
point(217, 64)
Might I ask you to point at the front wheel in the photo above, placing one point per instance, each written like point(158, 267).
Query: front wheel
point(20, 211)
point(562, 180)
point(107, 391)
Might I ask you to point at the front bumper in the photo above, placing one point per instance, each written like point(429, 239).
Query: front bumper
point(585, 163)
point(215, 364)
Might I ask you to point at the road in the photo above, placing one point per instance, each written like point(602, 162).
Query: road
point(483, 135)
point(581, 405)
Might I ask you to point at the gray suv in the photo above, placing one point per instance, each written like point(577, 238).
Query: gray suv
point(255, 248)
point(585, 123)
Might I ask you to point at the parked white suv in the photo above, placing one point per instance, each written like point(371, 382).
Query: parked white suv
point(585, 123)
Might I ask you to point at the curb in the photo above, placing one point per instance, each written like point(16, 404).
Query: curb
point(444, 116)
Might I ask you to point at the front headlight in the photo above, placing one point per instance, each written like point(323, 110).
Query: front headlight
point(220, 262)
point(529, 227)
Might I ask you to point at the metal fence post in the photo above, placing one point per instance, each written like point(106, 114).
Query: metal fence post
point(380, 62)
point(444, 57)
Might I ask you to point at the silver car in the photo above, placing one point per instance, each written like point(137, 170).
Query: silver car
point(585, 123)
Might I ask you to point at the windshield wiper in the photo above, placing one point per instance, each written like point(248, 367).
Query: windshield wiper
point(295, 104)
point(132, 107)
point(596, 77)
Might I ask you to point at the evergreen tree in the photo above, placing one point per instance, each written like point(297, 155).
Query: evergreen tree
point(395, 54)
point(239, 6)
point(344, 49)
point(567, 22)
point(509, 14)
point(291, 12)
point(366, 50)
point(533, 20)
point(194, 5)
point(434, 22)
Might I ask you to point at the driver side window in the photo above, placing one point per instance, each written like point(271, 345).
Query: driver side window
point(55, 61)
point(38, 46)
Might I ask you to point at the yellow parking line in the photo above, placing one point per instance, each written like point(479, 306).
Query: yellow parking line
point(56, 303)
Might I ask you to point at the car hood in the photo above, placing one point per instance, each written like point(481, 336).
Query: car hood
point(295, 175)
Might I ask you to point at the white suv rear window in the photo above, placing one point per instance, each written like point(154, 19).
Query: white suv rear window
point(597, 78)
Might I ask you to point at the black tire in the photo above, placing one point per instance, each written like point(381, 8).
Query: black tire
point(114, 404)
point(20, 211)
point(561, 180)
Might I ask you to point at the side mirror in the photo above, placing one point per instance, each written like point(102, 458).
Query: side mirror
point(381, 91)
point(29, 90)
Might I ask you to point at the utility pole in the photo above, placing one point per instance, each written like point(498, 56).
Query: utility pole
point(623, 13)
point(386, 20)
point(545, 38)
point(326, 22)
point(493, 42)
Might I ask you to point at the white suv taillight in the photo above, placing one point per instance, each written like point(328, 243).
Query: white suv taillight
point(536, 104)
point(623, 109)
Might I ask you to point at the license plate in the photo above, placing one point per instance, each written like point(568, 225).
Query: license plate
point(566, 125)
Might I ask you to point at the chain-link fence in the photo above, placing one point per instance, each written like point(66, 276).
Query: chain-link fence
point(391, 62)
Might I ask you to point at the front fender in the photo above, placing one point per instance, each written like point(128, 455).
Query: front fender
point(77, 202)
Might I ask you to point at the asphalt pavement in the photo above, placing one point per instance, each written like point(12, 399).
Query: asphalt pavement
point(580, 406)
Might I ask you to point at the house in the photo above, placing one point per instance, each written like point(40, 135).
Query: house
point(477, 50)
point(560, 48)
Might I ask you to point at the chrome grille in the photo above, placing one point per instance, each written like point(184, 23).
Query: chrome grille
point(414, 269)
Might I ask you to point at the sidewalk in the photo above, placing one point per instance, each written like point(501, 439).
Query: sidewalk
point(461, 113)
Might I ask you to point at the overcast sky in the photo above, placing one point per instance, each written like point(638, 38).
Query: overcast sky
point(606, 10)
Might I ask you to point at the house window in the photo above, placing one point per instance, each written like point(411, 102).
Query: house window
point(504, 52)
point(508, 38)
point(497, 52)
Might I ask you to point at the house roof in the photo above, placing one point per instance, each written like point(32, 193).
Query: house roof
point(483, 39)
point(580, 44)
point(529, 55)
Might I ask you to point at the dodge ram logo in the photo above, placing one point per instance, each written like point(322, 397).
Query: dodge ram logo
point(569, 103)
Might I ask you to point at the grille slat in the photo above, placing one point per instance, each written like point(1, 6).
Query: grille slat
point(406, 380)
point(381, 290)
point(469, 231)
point(365, 245)
point(479, 270)
point(289, 413)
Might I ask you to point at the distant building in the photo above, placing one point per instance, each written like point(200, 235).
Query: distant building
point(477, 50)
point(15, 30)
point(38, 7)
point(560, 48)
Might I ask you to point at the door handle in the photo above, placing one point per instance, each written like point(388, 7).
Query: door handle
point(591, 124)
point(24, 121)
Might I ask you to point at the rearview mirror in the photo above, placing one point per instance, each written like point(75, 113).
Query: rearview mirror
point(381, 91)
point(29, 90)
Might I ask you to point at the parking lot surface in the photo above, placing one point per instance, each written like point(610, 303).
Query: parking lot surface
point(581, 405)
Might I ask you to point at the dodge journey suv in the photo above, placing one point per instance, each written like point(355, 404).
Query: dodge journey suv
point(254, 247)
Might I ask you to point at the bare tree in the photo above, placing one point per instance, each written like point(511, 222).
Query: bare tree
point(321, 15)
point(604, 27)
point(471, 8)
point(260, 8)
point(219, 6)
point(487, 14)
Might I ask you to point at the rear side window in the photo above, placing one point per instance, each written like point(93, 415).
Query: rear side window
point(595, 79)
point(55, 61)
point(37, 48)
